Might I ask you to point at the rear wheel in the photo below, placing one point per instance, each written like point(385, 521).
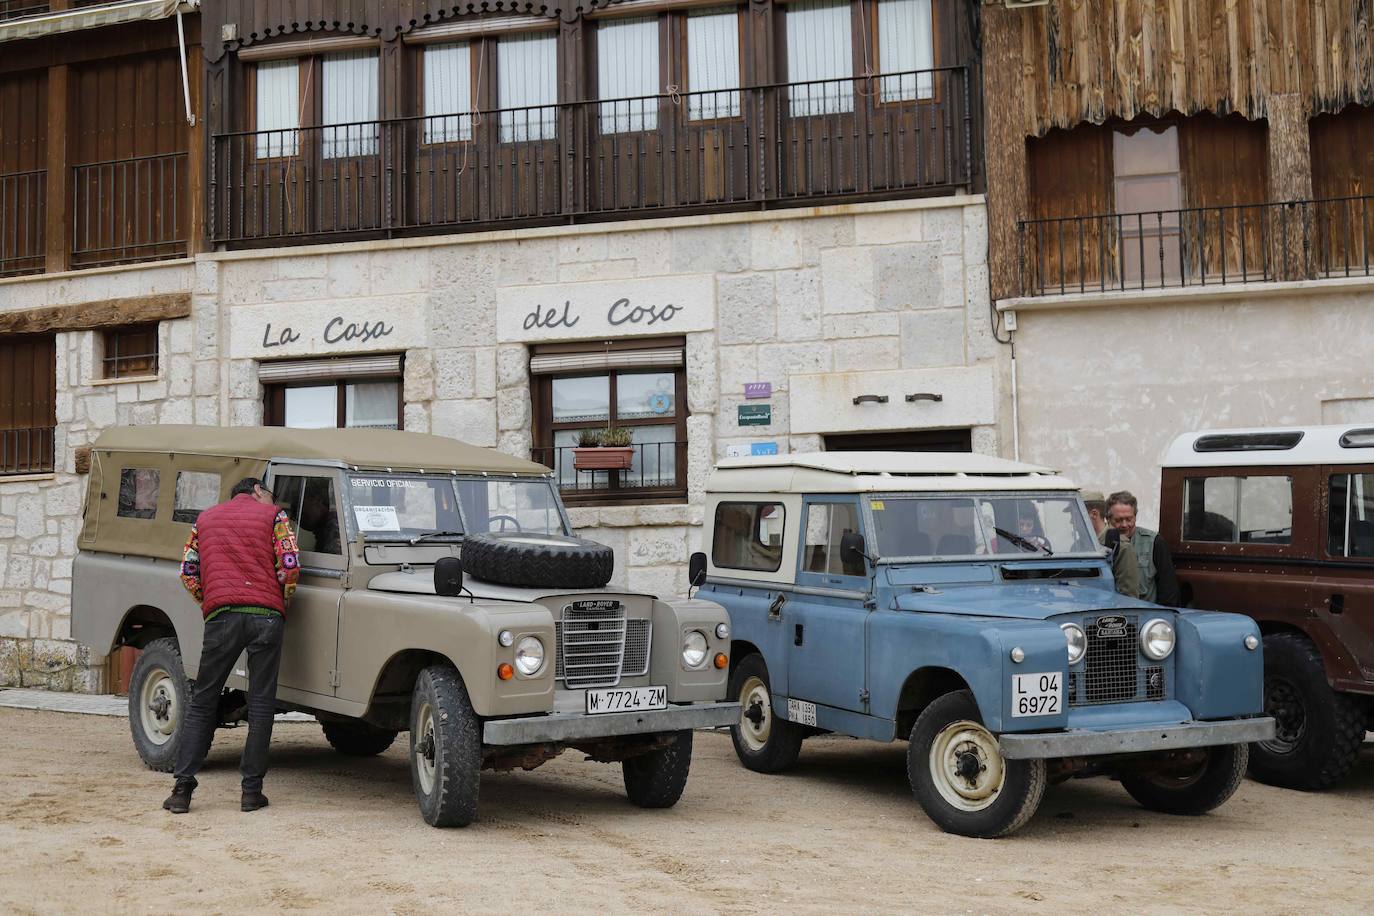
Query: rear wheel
point(763, 742)
point(656, 779)
point(1193, 790)
point(357, 739)
point(159, 697)
point(445, 748)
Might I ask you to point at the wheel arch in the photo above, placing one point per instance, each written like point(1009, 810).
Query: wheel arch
point(389, 704)
point(142, 624)
point(741, 649)
point(921, 688)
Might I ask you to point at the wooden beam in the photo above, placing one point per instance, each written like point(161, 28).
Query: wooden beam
point(104, 313)
point(195, 154)
point(1006, 144)
point(55, 231)
point(1290, 149)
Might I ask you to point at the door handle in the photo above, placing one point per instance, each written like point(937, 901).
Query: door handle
point(775, 607)
point(1336, 603)
point(797, 638)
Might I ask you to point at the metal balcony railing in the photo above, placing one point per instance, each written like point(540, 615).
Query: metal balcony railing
point(22, 220)
point(656, 469)
point(26, 451)
point(888, 135)
point(128, 210)
point(18, 9)
point(1203, 246)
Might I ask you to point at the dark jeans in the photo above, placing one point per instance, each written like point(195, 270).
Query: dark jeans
point(225, 637)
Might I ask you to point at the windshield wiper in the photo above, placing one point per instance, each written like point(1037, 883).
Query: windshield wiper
point(433, 534)
point(1023, 543)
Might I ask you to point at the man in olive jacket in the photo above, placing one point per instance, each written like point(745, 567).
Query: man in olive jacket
point(1125, 566)
point(1158, 581)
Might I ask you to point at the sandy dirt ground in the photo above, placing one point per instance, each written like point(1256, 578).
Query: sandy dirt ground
point(81, 830)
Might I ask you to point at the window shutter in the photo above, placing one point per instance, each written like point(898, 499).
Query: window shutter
point(339, 367)
point(615, 359)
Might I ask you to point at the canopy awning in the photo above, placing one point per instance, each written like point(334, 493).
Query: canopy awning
point(93, 17)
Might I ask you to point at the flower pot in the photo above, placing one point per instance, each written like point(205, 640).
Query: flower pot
point(603, 458)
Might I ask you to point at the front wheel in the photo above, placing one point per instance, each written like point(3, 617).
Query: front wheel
point(159, 697)
point(763, 742)
point(445, 748)
point(656, 779)
point(1195, 790)
point(959, 776)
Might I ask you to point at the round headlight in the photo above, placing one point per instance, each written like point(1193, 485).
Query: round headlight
point(1157, 639)
point(693, 649)
point(505, 637)
point(1076, 640)
point(722, 631)
point(529, 656)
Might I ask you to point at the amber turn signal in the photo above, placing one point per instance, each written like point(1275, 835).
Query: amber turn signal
point(504, 671)
point(721, 660)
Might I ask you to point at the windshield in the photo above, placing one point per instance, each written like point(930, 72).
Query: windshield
point(968, 526)
point(399, 507)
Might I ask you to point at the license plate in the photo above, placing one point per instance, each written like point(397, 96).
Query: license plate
point(626, 699)
point(1037, 694)
point(801, 712)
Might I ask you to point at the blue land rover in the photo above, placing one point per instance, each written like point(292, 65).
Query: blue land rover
point(962, 602)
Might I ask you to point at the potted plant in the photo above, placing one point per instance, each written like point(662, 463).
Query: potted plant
point(606, 449)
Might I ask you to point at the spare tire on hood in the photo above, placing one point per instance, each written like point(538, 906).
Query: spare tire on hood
point(534, 560)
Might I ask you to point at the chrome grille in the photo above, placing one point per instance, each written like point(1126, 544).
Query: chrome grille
point(1109, 666)
point(597, 645)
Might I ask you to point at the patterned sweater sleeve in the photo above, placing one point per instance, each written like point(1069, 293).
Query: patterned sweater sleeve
point(190, 567)
point(288, 559)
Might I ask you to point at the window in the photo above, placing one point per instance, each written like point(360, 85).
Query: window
point(819, 48)
point(1238, 510)
point(277, 104)
point(967, 526)
point(349, 99)
point(713, 64)
point(130, 351)
point(448, 92)
point(748, 536)
point(314, 512)
point(1146, 180)
point(28, 410)
point(526, 86)
point(138, 489)
point(627, 74)
point(905, 44)
point(528, 506)
point(826, 524)
point(370, 403)
point(1352, 516)
point(196, 491)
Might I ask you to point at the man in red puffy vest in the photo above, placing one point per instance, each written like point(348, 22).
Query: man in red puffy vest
point(241, 566)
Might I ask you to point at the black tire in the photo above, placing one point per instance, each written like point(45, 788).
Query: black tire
point(538, 560)
point(1319, 730)
point(445, 748)
point(656, 779)
point(763, 742)
point(1196, 793)
point(357, 739)
point(986, 809)
point(159, 698)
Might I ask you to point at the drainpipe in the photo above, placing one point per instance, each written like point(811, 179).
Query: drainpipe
point(185, 81)
point(1015, 410)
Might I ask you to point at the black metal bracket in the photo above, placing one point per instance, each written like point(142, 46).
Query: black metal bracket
point(924, 396)
point(871, 399)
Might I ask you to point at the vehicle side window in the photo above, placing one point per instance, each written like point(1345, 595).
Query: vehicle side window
point(313, 509)
point(138, 489)
point(1352, 516)
point(826, 523)
point(1238, 510)
point(748, 536)
point(196, 492)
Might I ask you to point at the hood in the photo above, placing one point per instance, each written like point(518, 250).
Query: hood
point(421, 582)
point(1024, 601)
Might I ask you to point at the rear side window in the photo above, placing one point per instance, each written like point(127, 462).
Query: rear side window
point(748, 536)
point(196, 492)
point(138, 489)
point(1238, 510)
point(1352, 516)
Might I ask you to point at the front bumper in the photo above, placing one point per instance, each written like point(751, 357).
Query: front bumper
point(1084, 743)
point(568, 727)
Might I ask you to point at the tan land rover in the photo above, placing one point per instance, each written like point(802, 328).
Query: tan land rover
point(441, 594)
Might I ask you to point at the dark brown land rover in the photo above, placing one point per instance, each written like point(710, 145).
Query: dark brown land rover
point(1279, 524)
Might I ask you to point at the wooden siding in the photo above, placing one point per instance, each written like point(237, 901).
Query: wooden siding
point(127, 107)
point(23, 121)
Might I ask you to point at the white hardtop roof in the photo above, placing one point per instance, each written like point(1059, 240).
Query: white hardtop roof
point(880, 472)
point(1275, 445)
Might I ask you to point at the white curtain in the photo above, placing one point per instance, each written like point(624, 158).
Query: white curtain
point(627, 71)
point(277, 103)
point(905, 43)
point(349, 96)
point(713, 76)
point(448, 92)
point(372, 404)
point(819, 47)
point(526, 80)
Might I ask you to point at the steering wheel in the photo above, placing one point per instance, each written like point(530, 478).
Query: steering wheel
point(503, 519)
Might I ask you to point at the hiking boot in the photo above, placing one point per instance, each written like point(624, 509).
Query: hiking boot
point(252, 801)
point(179, 802)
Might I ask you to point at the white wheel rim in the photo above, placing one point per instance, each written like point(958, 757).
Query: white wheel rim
point(424, 761)
point(755, 735)
point(157, 704)
point(956, 750)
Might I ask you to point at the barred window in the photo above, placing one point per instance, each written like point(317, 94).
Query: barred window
point(130, 351)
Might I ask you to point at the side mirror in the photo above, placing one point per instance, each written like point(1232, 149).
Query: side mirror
point(696, 569)
point(448, 577)
point(852, 548)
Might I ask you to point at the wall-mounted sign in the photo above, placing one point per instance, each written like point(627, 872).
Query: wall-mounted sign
point(755, 414)
point(758, 390)
point(300, 329)
point(751, 449)
point(601, 309)
point(763, 448)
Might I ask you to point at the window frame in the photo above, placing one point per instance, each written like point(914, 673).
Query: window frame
point(646, 114)
point(1308, 483)
point(756, 505)
point(875, 96)
point(1237, 508)
point(133, 514)
point(784, 74)
point(274, 398)
point(29, 401)
point(1328, 473)
point(109, 334)
point(813, 579)
point(310, 139)
point(680, 64)
point(314, 561)
point(431, 133)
